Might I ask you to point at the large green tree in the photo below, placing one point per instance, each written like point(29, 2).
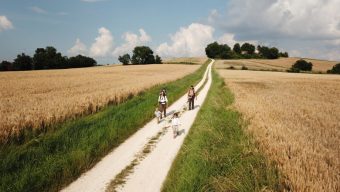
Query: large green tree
point(215, 50)
point(302, 65)
point(237, 48)
point(142, 55)
point(158, 60)
point(249, 48)
point(23, 62)
point(268, 53)
point(212, 50)
point(125, 59)
point(49, 58)
point(335, 69)
point(81, 61)
point(5, 66)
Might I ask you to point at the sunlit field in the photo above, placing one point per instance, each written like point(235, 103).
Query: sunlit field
point(281, 64)
point(34, 99)
point(295, 120)
point(185, 60)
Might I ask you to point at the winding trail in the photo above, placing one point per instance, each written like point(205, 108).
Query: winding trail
point(150, 172)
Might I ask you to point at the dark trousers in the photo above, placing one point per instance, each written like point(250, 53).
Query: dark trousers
point(162, 109)
point(191, 103)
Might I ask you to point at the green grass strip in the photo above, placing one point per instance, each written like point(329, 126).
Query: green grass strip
point(217, 154)
point(49, 162)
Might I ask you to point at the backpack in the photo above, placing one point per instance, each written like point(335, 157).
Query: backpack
point(191, 93)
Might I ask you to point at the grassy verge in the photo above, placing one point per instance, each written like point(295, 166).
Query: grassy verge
point(217, 155)
point(49, 162)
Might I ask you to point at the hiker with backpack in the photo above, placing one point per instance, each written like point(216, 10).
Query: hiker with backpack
point(191, 97)
point(163, 101)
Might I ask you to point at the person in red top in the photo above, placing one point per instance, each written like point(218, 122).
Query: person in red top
point(191, 97)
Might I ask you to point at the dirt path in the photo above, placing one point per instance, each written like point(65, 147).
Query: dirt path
point(142, 161)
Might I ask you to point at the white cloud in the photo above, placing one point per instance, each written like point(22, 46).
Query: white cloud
point(131, 40)
point(79, 48)
point(288, 18)
point(297, 25)
point(5, 24)
point(103, 43)
point(227, 38)
point(188, 41)
point(38, 10)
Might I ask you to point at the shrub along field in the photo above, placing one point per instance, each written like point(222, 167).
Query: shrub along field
point(281, 64)
point(217, 154)
point(295, 120)
point(50, 161)
point(34, 100)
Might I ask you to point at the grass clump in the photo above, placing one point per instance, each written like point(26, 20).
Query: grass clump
point(217, 154)
point(51, 161)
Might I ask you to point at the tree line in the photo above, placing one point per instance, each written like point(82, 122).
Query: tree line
point(244, 51)
point(46, 58)
point(141, 55)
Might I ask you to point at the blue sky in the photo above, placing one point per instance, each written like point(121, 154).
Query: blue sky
point(106, 28)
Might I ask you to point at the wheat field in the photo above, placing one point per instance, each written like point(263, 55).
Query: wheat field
point(188, 60)
point(33, 99)
point(295, 120)
point(281, 64)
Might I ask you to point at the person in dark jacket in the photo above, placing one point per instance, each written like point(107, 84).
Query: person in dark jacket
point(191, 97)
point(163, 101)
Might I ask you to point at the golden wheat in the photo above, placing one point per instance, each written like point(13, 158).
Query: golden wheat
point(281, 64)
point(194, 60)
point(33, 99)
point(295, 119)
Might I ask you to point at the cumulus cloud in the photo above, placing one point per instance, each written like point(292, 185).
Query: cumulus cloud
point(282, 22)
point(103, 43)
point(37, 9)
point(5, 24)
point(188, 41)
point(131, 40)
point(79, 48)
point(284, 18)
point(227, 38)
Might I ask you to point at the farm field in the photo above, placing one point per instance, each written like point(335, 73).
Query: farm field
point(49, 161)
point(281, 64)
point(185, 60)
point(34, 99)
point(295, 120)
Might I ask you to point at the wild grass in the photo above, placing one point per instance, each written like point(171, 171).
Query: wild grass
point(295, 121)
point(217, 154)
point(49, 162)
point(32, 101)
